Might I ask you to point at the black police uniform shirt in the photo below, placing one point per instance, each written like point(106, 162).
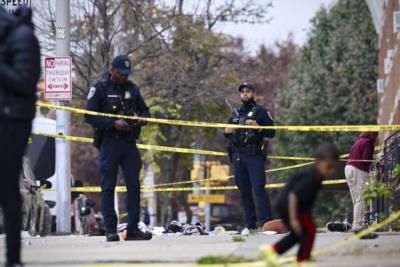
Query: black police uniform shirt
point(108, 97)
point(306, 185)
point(255, 112)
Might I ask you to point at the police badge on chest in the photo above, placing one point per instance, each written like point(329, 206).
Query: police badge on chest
point(128, 95)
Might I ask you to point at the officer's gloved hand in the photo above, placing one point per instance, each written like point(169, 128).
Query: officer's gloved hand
point(122, 125)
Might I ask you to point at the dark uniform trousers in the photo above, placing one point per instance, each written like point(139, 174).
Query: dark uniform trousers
point(114, 152)
point(250, 177)
point(14, 136)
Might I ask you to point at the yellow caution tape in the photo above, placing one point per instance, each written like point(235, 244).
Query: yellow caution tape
point(140, 146)
point(165, 148)
point(194, 151)
point(122, 189)
point(327, 128)
point(227, 177)
point(162, 148)
point(183, 150)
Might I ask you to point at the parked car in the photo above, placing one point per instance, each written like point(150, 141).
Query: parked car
point(36, 216)
point(41, 152)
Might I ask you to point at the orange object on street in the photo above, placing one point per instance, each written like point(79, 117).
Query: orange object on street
point(276, 226)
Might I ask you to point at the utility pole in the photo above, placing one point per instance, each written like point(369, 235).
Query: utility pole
point(207, 207)
point(63, 147)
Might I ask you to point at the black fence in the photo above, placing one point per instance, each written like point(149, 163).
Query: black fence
point(389, 175)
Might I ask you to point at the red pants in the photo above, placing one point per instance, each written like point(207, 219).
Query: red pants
point(306, 238)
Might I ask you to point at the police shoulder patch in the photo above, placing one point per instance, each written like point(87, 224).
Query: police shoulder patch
point(269, 115)
point(92, 92)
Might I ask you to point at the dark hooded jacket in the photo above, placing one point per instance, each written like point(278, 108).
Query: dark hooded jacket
point(362, 149)
point(19, 64)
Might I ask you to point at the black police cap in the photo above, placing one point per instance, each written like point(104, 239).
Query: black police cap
point(247, 85)
point(122, 64)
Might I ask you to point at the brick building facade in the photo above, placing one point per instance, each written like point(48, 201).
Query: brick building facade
point(386, 17)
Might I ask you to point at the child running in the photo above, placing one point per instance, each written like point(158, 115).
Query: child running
point(295, 203)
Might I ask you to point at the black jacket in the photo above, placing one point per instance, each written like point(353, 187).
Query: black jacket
point(254, 112)
point(106, 96)
point(19, 64)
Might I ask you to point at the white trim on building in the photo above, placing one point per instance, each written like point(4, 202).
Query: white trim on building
point(377, 10)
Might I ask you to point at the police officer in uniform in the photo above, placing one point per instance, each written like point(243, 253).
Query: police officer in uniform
point(247, 151)
point(116, 140)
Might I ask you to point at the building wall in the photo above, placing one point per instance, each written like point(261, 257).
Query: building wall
point(389, 51)
point(389, 59)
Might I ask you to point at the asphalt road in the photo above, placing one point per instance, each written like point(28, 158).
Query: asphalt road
point(60, 251)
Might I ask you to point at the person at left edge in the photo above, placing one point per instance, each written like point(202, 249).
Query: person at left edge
point(116, 140)
point(19, 74)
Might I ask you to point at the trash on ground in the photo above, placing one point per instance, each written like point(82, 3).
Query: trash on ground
point(245, 231)
point(185, 229)
point(219, 230)
point(338, 226)
point(269, 232)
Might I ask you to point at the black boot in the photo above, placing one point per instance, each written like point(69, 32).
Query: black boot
point(136, 234)
point(112, 237)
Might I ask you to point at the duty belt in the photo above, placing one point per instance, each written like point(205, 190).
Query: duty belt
point(113, 133)
point(249, 149)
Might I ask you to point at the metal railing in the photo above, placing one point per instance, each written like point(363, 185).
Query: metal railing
point(391, 159)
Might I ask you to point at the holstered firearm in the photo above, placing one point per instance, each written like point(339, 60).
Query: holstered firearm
point(264, 148)
point(230, 150)
point(98, 137)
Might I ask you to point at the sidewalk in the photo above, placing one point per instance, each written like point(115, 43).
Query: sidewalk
point(80, 251)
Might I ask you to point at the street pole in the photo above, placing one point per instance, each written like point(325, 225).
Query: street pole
point(63, 147)
point(207, 212)
point(207, 207)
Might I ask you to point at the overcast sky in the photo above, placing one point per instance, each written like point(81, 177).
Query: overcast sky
point(287, 16)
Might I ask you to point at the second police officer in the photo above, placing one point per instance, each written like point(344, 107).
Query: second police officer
point(116, 140)
point(247, 151)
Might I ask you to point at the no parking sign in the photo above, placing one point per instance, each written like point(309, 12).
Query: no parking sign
point(58, 78)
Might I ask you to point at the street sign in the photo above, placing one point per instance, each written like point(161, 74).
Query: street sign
point(216, 199)
point(57, 78)
point(12, 5)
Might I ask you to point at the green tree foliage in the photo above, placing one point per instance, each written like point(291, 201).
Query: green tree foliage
point(333, 79)
point(332, 83)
